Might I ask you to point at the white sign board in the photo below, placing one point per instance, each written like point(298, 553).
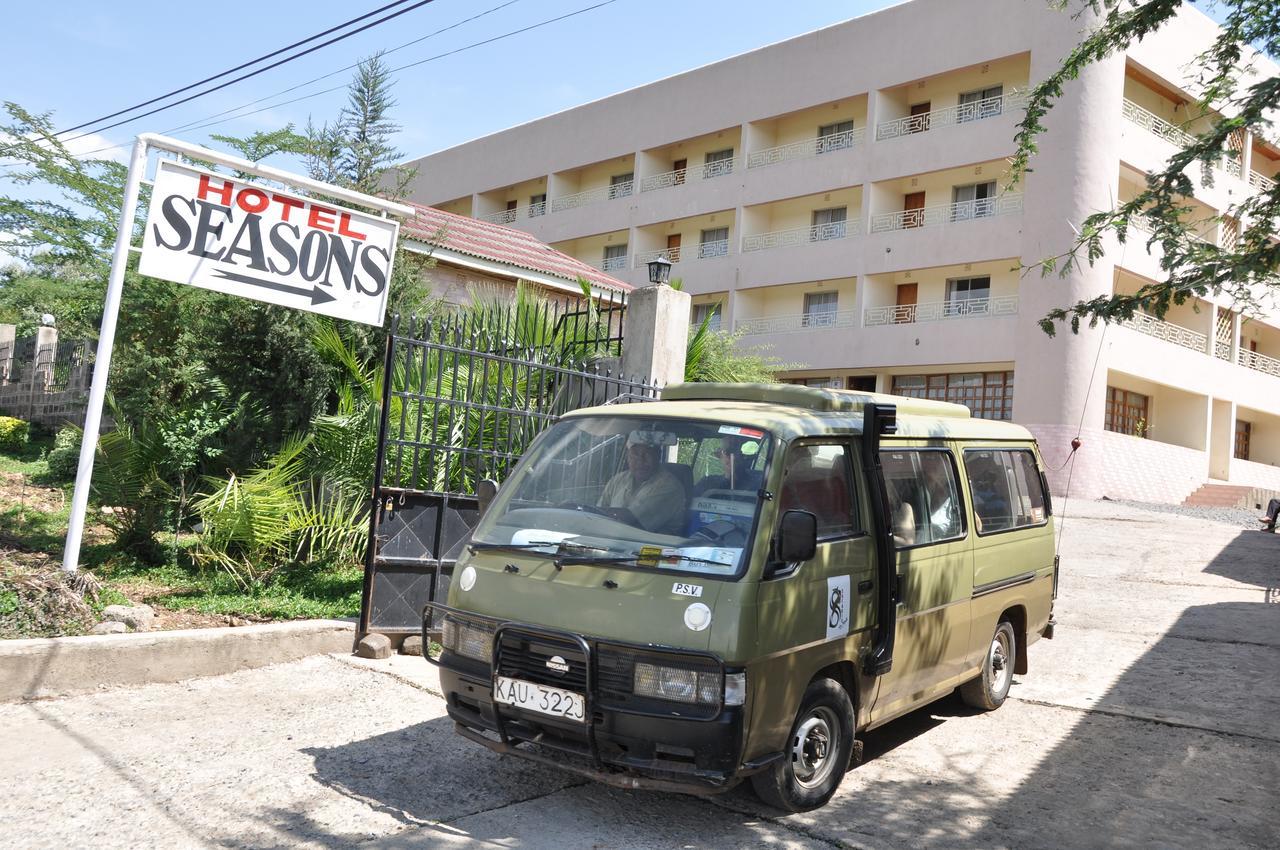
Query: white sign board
point(215, 232)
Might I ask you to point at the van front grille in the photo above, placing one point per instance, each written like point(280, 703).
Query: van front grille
point(525, 655)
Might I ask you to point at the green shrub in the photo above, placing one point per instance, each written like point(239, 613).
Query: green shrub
point(64, 457)
point(13, 433)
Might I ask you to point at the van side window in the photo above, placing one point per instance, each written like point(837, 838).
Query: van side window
point(924, 499)
point(817, 479)
point(1006, 487)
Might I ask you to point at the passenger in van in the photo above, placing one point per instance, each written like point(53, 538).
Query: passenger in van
point(943, 520)
point(738, 474)
point(644, 494)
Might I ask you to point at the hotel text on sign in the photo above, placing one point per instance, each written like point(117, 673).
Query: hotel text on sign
point(219, 233)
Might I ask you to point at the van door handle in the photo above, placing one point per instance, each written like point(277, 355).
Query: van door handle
point(865, 586)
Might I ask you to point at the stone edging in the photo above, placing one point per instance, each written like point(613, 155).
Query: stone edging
point(54, 667)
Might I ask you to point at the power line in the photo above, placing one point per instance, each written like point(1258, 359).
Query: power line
point(400, 68)
point(388, 52)
point(233, 70)
point(242, 77)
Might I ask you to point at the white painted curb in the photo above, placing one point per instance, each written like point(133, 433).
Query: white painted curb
point(54, 667)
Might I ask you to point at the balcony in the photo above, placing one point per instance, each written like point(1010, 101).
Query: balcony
point(950, 116)
point(941, 311)
point(1168, 331)
point(797, 322)
point(705, 251)
point(511, 216)
point(1260, 183)
point(806, 148)
point(680, 176)
point(800, 236)
point(1258, 362)
point(1009, 203)
point(593, 196)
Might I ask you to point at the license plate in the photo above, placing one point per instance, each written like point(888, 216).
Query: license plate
point(539, 698)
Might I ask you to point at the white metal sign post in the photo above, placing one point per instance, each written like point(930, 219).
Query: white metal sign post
point(229, 235)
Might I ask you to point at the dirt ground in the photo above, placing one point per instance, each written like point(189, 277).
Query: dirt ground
point(1152, 720)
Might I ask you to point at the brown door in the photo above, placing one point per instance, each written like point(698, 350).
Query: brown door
point(913, 210)
point(922, 123)
point(906, 311)
point(673, 247)
point(679, 167)
point(1244, 430)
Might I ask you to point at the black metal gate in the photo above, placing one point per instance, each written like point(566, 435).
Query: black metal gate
point(463, 396)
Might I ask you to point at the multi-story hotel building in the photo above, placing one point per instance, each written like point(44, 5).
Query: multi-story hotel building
point(842, 197)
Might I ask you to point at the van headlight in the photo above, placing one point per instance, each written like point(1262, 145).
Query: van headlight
point(467, 639)
point(696, 687)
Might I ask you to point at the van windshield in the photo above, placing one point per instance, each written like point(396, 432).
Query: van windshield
point(665, 494)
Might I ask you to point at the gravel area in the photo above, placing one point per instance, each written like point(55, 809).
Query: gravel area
point(1235, 517)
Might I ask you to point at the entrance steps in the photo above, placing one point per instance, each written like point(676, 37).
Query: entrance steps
point(1231, 496)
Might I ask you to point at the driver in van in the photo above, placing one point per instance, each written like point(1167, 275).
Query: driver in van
point(644, 494)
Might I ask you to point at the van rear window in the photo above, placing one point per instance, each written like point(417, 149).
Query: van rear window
point(1006, 489)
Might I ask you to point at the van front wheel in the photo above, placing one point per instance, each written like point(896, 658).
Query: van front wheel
point(817, 752)
point(989, 690)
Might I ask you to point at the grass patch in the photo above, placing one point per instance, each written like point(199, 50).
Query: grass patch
point(29, 460)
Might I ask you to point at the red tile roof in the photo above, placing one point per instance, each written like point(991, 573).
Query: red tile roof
point(500, 244)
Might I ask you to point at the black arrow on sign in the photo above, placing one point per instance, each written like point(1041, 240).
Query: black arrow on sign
point(316, 293)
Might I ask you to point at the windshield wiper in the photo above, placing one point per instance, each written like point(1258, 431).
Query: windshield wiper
point(531, 546)
point(632, 560)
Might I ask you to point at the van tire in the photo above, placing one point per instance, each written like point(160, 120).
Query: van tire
point(989, 690)
point(817, 753)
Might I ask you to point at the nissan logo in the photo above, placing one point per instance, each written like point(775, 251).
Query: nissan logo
point(558, 664)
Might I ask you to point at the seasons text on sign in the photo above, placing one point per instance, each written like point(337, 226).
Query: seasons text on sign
point(199, 226)
point(254, 241)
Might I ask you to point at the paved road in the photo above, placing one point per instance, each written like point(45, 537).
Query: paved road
point(1152, 720)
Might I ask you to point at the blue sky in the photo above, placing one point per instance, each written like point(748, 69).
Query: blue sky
point(93, 58)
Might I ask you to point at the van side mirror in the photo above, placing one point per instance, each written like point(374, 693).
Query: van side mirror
point(797, 537)
point(486, 490)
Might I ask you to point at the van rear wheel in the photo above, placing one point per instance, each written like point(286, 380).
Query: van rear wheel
point(817, 752)
point(988, 690)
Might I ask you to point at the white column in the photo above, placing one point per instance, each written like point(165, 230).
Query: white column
point(657, 335)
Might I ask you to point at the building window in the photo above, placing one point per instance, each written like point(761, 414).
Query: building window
point(977, 200)
point(1127, 412)
point(718, 163)
point(537, 204)
point(988, 395)
point(980, 103)
point(714, 242)
point(819, 309)
point(620, 185)
point(828, 224)
point(835, 137)
point(709, 313)
point(615, 258)
point(967, 295)
point(821, 383)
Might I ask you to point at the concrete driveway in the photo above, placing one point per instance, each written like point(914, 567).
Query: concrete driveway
point(1152, 720)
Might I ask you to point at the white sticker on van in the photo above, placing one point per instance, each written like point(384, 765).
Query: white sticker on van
point(838, 602)
point(682, 589)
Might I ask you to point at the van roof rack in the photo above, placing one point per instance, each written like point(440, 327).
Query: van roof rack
point(811, 398)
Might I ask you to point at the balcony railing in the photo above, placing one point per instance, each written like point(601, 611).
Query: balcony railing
point(719, 168)
point(806, 148)
point(511, 216)
point(612, 264)
point(665, 180)
point(1169, 332)
point(1262, 184)
point(592, 196)
point(1009, 203)
point(1258, 362)
point(643, 258)
point(939, 311)
point(798, 322)
point(949, 116)
point(1154, 124)
point(799, 236)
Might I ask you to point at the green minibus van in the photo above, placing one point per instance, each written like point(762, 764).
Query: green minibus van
point(738, 580)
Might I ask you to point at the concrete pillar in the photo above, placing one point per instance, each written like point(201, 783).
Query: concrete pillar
point(1061, 381)
point(1222, 437)
point(8, 337)
point(657, 334)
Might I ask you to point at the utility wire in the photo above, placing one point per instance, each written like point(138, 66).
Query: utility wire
point(242, 77)
point(400, 68)
point(388, 52)
point(233, 70)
